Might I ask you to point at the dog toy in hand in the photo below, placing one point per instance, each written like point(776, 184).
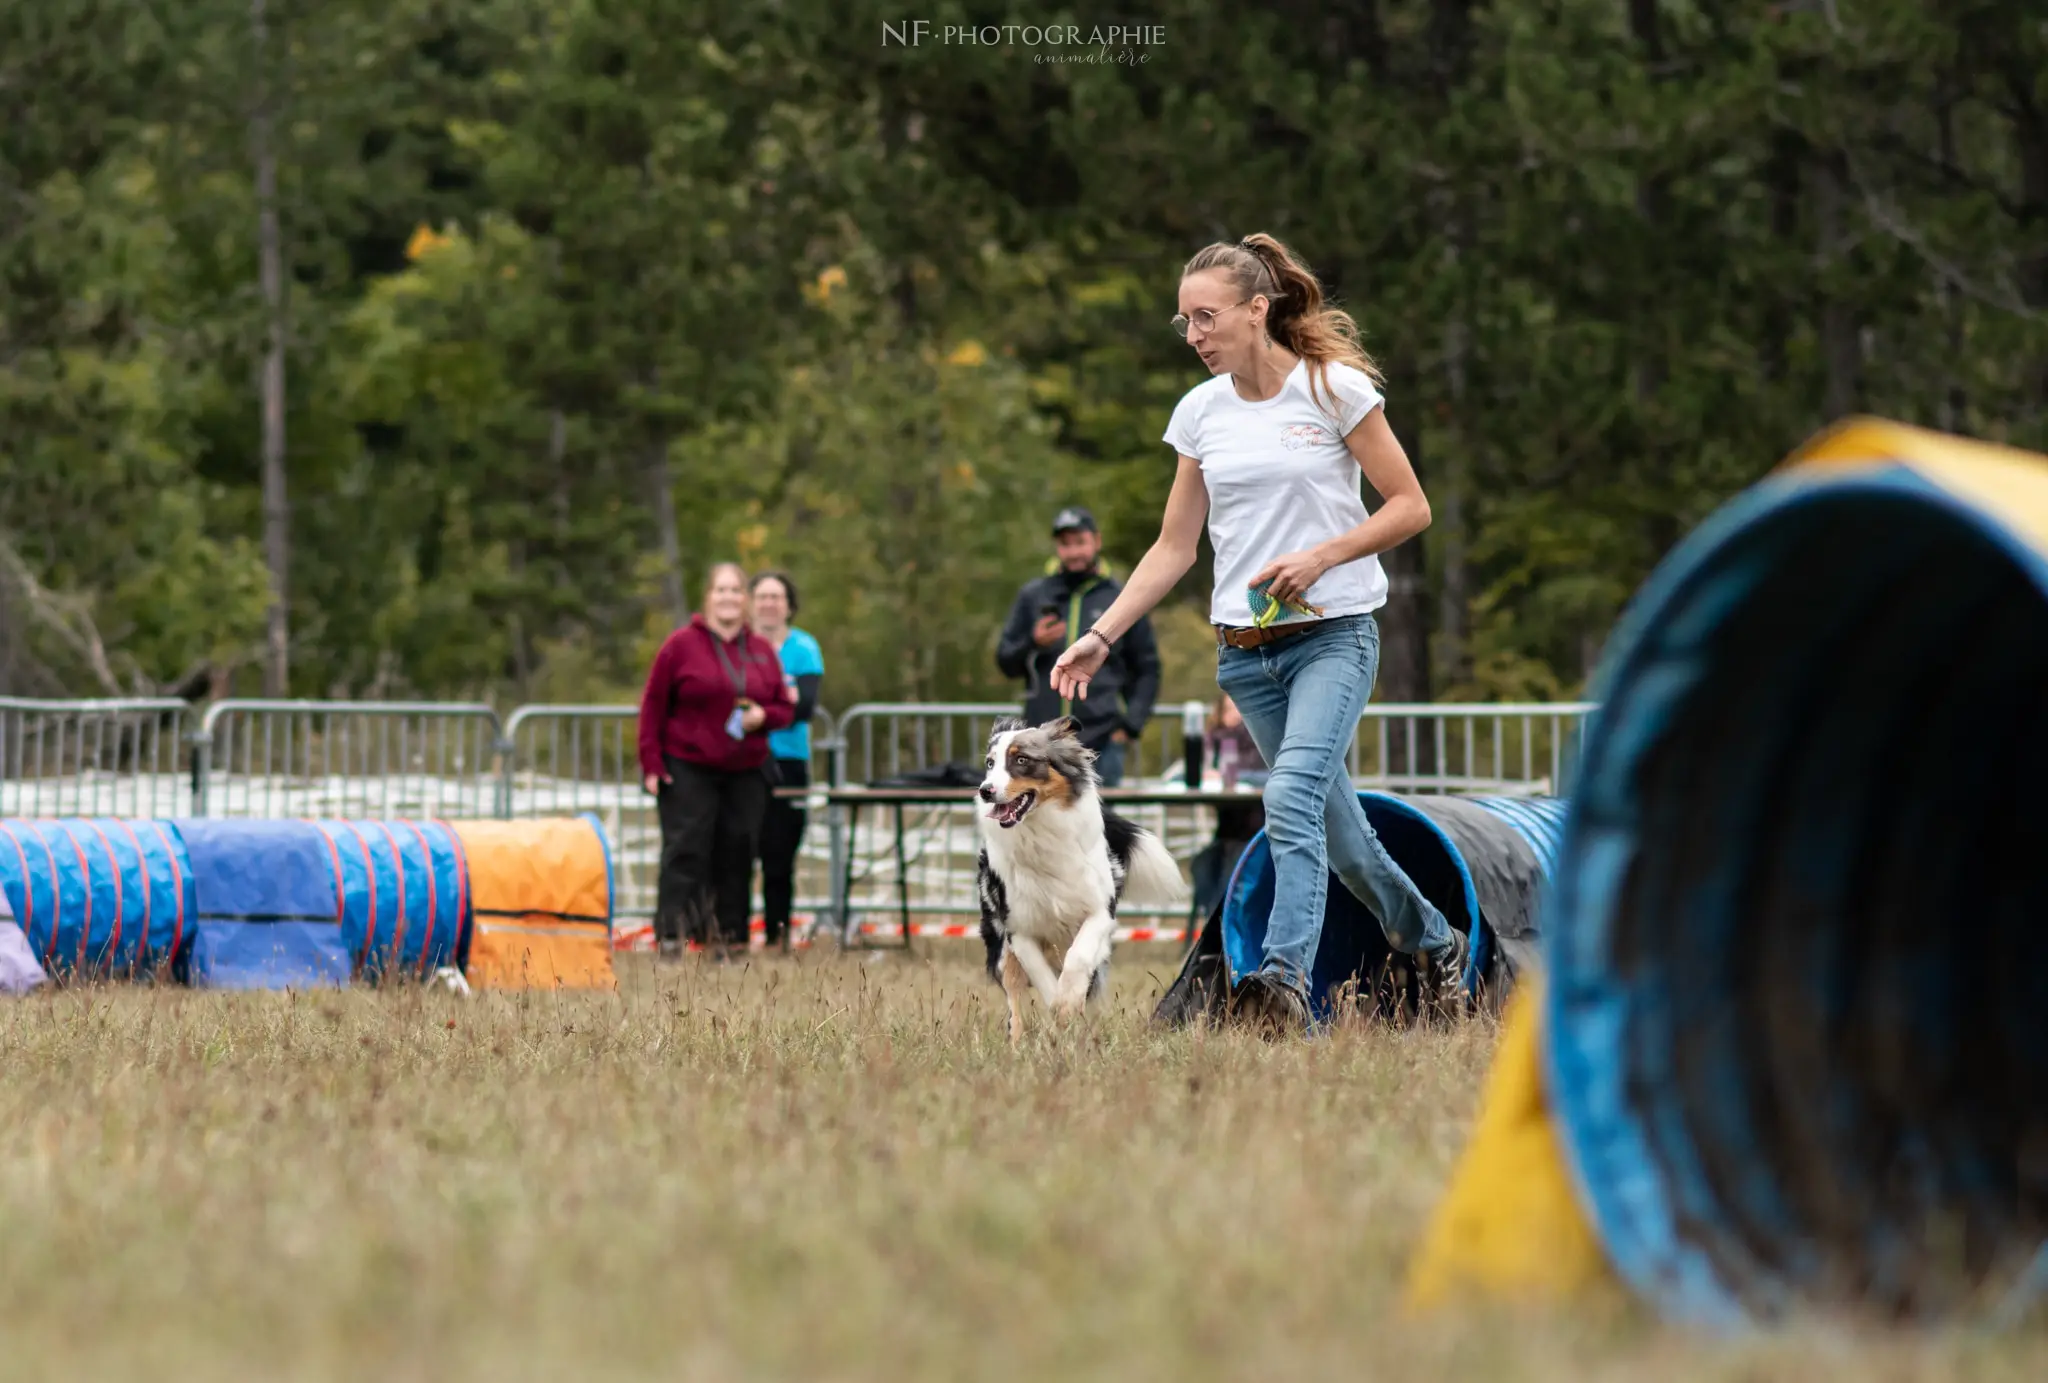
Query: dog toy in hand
point(1267, 611)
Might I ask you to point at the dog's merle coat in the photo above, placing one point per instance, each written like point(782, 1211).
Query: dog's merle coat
point(1054, 865)
point(1120, 835)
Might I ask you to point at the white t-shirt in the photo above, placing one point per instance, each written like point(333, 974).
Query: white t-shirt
point(1280, 479)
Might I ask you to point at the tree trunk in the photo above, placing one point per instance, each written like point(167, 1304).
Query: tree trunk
point(1652, 200)
point(1841, 345)
point(661, 494)
point(1651, 203)
point(522, 645)
point(558, 455)
point(558, 563)
point(1782, 177)
point(1354, 33)
point(1404, 661)
point(8, 651)
point(1449, 45)
point(1954, 404)
point(1447, 490)
point(1404, 619)
point(2030, 140)
point(1450, 42)
point(899, 129)
point(1591, 646)
point(270, 273)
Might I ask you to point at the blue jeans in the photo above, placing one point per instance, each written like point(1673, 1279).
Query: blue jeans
point(1109, 764)
point(1301, 698)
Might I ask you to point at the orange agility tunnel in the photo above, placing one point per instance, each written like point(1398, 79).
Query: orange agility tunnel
point(541, 899)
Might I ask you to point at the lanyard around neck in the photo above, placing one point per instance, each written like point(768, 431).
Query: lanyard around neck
point(738, 677)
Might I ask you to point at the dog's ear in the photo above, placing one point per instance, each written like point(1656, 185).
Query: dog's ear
point(1004, 726)
point(1072, 758)
point(1065, 728)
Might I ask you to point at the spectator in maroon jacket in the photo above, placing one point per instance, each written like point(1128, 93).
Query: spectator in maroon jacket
point(712, 697)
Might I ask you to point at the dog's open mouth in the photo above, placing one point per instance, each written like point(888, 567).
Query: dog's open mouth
point(1008, 814)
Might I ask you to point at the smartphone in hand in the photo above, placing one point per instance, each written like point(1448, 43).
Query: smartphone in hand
point(735, 724)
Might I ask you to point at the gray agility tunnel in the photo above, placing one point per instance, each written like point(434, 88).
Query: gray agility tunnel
point(1483, 861)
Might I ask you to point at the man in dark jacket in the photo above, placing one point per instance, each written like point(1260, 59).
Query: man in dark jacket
point(1052, 612)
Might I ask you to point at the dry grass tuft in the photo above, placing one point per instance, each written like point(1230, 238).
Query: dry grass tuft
point(815, 1169)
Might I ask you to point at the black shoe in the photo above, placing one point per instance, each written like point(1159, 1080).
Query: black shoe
point(1442, 997)
point(1269, 1007)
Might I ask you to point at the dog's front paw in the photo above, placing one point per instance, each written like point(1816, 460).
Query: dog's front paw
point(1068, 1006)
point(1072, 991)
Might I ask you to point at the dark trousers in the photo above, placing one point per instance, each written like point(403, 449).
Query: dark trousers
point(782, 833)
point(710, 825)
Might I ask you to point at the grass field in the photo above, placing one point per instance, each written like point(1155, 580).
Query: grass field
point(817, 1169)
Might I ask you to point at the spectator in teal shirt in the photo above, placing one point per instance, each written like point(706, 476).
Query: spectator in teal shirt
point(782, 829)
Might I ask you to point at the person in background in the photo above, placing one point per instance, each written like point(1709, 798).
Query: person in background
point(782, 827)
point(713, 696)
point(1234, 754)
point(1049, 614)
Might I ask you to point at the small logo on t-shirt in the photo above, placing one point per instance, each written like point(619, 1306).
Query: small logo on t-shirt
point(1302, 435)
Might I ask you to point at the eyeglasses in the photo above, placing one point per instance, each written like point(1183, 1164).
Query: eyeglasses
point(1203, 321)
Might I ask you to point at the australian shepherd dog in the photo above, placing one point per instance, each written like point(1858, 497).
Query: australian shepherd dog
point(1055, 863)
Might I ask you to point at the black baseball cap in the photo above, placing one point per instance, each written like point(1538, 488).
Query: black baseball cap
point(1073, 517)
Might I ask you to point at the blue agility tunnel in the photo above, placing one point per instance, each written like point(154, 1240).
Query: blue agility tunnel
point(99, 896)
point(305, 903)
point(405, 894)
point(1795, 1028)
point(271, 906)
point(1484, 862)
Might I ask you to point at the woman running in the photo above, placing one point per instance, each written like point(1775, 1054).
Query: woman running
point(1271, 448)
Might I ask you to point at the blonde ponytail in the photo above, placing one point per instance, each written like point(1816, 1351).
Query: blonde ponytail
point(1298, 317)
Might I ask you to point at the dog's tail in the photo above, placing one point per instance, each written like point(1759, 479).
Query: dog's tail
point(1153, 875)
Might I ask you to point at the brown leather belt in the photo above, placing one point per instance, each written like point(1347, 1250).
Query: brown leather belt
point(1228, 637)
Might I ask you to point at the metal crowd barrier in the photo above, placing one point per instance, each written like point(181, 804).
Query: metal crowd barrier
point(346, 759)
point(341, 758)
point(1522, 749)
point(92, 758)
point(917, 860)
point(564, 760)
point(885, 740)
point(1513, 749)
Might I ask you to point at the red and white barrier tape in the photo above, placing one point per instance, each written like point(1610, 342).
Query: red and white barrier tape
point(640, 937)
point(957, 929)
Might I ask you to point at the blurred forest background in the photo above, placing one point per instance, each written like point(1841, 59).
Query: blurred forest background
point(478, 330)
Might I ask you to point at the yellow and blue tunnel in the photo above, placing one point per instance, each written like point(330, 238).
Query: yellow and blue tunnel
point(1789, 1050)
